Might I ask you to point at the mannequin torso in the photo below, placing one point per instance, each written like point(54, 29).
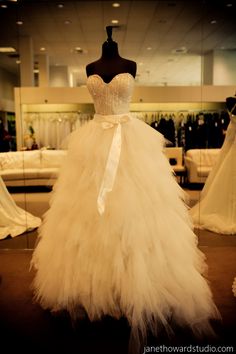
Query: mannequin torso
point(231, 104)
point(111, 63)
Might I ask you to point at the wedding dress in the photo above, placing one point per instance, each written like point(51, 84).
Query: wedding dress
point(117, 239)
point(13, 220)
point(216, 210)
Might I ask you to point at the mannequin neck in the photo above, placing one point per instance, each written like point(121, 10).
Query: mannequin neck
point(110, 50)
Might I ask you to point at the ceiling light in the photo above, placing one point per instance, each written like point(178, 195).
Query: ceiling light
point(213, 22)
point(116, 4)
point(7, 50)
point(229, 5)
point(18, 61)
point(19, 22)
point(149, 48)
point(180, 50)
point(60, 6)
point(67, 22)
point(3, 6)
point(42, 49)
point(114, 21)
point(79, 50)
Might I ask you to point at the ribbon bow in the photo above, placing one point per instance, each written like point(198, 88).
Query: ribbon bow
point(107, 122)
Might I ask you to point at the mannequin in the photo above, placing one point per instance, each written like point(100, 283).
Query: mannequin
point(215, 211)
point(110, 63)
point(108, 243)
point(231, 104)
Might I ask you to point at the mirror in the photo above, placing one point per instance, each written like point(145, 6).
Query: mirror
point(185, 70)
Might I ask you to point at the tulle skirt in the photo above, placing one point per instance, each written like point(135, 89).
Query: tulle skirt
point(140, 258)
point(14, 220)
point(216, 210)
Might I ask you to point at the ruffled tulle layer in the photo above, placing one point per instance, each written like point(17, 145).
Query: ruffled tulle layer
point(216, 210)
point(140, 258)
point(13, 220)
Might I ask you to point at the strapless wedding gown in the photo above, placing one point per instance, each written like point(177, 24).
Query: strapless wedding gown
point(14, 220)
point(117, 239)
point(216, 210)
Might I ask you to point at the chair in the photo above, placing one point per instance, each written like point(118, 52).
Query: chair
point(175, 157)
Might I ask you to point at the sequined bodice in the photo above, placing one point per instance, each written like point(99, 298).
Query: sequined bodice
point(113, 97)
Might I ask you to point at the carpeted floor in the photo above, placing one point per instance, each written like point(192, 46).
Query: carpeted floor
point(26, 327)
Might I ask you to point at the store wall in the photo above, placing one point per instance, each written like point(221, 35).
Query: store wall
point(224, 67)
point(7, 83)
point(59, 76)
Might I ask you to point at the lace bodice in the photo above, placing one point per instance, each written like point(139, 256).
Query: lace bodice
point(113, 97)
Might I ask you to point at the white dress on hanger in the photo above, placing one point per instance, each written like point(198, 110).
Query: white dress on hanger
point(117, 239)
point(216, 210)
point(13, 220)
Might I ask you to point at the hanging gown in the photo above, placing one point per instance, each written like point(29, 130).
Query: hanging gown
point(13, 220)
point(117, 238)
point(216, 210)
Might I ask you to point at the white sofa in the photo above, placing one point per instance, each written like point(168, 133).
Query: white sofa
point(199, 163)
point(30, 168)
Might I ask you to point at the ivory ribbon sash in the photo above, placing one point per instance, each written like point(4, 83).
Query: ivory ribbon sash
point(108, 122)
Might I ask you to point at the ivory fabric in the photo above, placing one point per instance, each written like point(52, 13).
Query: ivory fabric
point(118, 239)
point(216, 209)
point(14, 220)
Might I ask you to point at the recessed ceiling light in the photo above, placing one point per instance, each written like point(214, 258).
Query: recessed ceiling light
point(19, 23)
point(42, 49)
point(3, 6)
point(114, 21)
point(180, 50)
point(67, 22)
point(229, 5)
point(213, 22)
point(116, 4)
point(60, 6)
point(7, 50)
point(79, 50)
point(149, 48)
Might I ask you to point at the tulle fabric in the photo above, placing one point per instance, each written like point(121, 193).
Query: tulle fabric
point(216, 210)
point(14, 220)
point(140, 258)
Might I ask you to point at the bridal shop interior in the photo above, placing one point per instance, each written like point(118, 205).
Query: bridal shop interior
point(184, 88)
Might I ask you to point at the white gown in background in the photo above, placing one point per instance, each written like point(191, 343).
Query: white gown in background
point(13, 220)
point(117, 239)
point(216, 210)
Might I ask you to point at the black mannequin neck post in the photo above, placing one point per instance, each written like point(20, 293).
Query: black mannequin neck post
point(110, 50)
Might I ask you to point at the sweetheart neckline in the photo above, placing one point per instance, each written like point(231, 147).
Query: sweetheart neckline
point(107, 83)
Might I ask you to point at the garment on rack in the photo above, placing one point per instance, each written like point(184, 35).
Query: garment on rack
point(118, 239)
point(14, 220)
point(216, 210)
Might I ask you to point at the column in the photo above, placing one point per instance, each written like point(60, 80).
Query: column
point(208, 68)
point(43, 66)
point(26, 61)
